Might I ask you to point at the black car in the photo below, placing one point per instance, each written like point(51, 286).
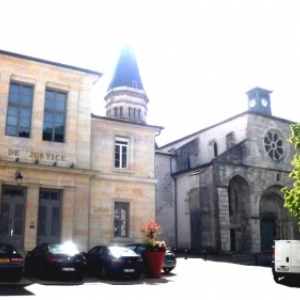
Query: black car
point(109, 261)
point(11, 262)
point(49, 259)
point(170, 258)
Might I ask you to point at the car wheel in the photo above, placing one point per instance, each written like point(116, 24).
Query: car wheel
point(167, 270)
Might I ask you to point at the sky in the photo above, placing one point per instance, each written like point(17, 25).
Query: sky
point(197, 58)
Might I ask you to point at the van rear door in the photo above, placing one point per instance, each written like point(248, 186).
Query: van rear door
point(295, 264)
point(283, 256)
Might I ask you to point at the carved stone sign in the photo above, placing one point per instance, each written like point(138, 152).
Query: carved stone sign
point(38, 155)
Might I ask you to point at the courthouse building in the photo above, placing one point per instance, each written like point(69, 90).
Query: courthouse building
point(65, 173)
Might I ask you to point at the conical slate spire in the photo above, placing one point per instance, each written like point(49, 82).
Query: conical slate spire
point(126, 99)
point(126, 72)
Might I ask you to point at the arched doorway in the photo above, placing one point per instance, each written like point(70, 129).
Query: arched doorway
point(276, 222)
point(238, 203)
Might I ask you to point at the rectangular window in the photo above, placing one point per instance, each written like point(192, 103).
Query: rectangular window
point(121, 219)
point(54, 116)
point(18, 121)
point(121, 153)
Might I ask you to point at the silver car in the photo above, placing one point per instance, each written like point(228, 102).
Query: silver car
point(170, 258)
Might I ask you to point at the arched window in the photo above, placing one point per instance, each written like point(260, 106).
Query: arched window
point(215, 149)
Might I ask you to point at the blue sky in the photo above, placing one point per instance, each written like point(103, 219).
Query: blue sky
point(197, 58)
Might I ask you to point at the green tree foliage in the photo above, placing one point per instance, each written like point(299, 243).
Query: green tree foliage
point(292, 196)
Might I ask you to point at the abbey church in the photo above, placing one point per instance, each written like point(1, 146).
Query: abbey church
point(67, 174)
point(224, 182)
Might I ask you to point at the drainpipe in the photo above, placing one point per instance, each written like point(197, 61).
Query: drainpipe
point(175, 205)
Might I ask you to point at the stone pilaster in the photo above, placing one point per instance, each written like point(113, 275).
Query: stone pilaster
point(224, 218)
point(31, 217)
point(67, 214)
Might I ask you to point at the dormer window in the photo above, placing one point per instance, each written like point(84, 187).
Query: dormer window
point(134, 84)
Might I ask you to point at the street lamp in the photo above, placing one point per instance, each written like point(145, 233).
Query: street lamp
point(19, 177)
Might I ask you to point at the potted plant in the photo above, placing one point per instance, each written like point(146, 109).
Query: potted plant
point(154, 253)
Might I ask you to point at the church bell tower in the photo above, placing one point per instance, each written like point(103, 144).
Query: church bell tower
point(259, 101)
point(126, 99)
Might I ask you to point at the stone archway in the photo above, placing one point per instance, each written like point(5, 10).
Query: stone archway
point(238, 202)
point(276, 222)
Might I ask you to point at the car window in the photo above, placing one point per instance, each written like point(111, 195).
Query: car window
point(39, 248)
point(140, 249)
point(95, 250)
point(132, 247)
point(68, 248)
point(7, 249)
point(119, 251)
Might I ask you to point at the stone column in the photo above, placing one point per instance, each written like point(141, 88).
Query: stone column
point(31, 217)
point(67, 214)
point(254, 223)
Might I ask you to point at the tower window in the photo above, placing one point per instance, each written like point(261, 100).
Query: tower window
point(134, 84)
point(118, 111)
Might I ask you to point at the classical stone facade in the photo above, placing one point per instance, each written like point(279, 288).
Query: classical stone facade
point(223, 183)
point(82, 177)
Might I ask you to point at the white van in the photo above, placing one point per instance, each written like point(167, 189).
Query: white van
point(285, 258)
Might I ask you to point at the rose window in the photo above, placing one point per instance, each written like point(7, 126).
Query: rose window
point(274, 145)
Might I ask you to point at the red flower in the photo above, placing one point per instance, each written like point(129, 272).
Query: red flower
point(152, 230)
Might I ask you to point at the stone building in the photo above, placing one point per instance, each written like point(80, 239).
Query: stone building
point(65, 173)
point(219, 189)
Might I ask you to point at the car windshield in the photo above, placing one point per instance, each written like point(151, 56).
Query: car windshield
point(4, 249)
point(120, 251)
point(67, 248)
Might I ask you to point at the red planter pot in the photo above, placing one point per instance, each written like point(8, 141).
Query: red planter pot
point(153, 261)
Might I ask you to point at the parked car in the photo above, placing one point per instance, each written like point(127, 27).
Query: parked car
point(170, 257)
point(110, 261)
point(49, 259)
point(11, 262)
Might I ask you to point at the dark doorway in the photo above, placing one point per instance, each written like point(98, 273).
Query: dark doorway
point(232, 240)
point(267, 234)
point(12, 215)
point(49, 218)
